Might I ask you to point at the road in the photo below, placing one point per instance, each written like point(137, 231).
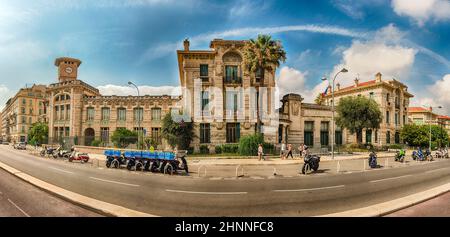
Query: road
point(190, 196)
point(21, 199)
point(436, 207)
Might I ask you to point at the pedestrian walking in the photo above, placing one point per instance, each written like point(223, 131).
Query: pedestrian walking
point(300, 149)
point(289, 152)
point(283, 151)
point(260, 152)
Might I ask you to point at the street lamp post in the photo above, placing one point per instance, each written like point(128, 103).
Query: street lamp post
point(343, 70)
point(431, 116)
point(139, 112)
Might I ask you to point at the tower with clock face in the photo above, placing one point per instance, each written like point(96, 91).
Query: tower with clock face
point(67, 68)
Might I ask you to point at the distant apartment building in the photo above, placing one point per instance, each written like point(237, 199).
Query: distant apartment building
point(393, 99)
point(425, 116)
point(28, 106)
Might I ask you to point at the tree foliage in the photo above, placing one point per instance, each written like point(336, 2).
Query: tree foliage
point(177, 133)
point(419, 135)
point(319, 100)
point(265, 54)
point(123, 137)
point(358, 113)
point(248, 145)
point(38, 133)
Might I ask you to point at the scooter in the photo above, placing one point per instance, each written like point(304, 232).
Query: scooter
point(418, 155)
point(373, 160)
point(311, 163)
point(442, 153)
point(400, 156)
point(82, 157)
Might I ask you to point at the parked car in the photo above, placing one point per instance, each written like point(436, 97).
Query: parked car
point(20, 146)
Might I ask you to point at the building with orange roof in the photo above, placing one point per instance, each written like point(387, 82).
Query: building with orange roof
point(393, 98)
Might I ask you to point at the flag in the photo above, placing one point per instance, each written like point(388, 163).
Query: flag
point(325, 92)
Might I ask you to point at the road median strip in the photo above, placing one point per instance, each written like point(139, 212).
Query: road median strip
point(91, 203)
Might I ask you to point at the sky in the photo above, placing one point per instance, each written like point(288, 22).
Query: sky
point(136, 40)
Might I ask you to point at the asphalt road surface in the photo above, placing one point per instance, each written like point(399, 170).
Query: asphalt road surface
point(300, 195)
point(21, 199)
point(436, 207)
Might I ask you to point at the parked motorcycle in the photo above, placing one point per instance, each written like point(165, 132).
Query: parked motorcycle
point(311, 163)
point(442, 153)
point(83, 157)
point(418, 155)
point(62, 153)
point(373, 160)
point(400, 156)
point(50, 152)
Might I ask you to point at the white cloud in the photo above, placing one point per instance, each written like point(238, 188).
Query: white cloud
point(382, 54)
point(439, 92)
point(423, 10)
point(143, 90)
point(245, 8)
point(161, 50)
point(5, 93)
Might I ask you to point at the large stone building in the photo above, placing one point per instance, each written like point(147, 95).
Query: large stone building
point(25, 108)
point(393, 99)
point(218, 94)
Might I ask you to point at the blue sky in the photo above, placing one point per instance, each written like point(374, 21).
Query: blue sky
point(126, 40)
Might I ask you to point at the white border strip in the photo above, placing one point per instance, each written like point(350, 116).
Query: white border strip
point(207, 193)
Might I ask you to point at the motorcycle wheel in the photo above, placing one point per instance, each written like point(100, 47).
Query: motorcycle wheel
point(138, 166)
point(42, 154)
point(153, 167)
point(305, 168)
point(168, 169)
point(70, 159)
point(316, 167)
point(108, 163)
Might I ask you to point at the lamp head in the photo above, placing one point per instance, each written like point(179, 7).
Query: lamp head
point(130, 83)
point(344, 70)
point(324, 78)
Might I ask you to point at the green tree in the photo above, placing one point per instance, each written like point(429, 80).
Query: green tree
point(38, 133)
point(319, 99)
point(123, 137)
point(260, 55)
point(358, 113)
point(248, 145)
point(419, 135)
point(177, 133)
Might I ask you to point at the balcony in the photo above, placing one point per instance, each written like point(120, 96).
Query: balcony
point(232, 80)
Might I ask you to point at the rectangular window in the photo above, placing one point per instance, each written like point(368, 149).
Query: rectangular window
point(396, 119)
point(67, 112)
point(205, 133)
point(104, 133)
point(368, 136)
point(156, 135)
point(404, 119)
point(259, 74)
point(231, 74)
point(61, 114)
point(205, 101)
point(156, 114)
point(387, 117)
point(138, 114)
point(31, 111)
point(309, 133)
point(105, 114)
point(23, 110)
point(338, 136)
point(90, 114)
point(122, 114)
point(30, 121)
point(67, 131)
point(24, 101)
point(376, 136)
point(233, 132)
point(324, 133)
point(388, 137)
point(232, 101)
point(204, 72)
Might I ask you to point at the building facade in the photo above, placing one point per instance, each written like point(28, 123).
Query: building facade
point(393, 99)
point(218, 95)
point(28, 106)
point(425, 116)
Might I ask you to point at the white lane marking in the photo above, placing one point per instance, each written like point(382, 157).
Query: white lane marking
point(431, 171)
point(111, 181)
point(20, 209)
point(208, 193)
point(65, 171)
point(308, 189)
point(398, 177)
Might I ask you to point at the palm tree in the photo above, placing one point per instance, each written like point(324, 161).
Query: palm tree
point(260, 55)
point(319, 99)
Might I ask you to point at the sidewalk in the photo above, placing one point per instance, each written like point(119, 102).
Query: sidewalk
point(272, 160)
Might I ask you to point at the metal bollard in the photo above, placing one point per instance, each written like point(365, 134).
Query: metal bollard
point(274, 171)
point(386, 163)
point(338, 168)
point(198, 170)
point(364, 162)
point(237, 169)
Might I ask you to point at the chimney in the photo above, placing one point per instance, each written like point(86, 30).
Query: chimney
point(378, 77)
point(186, 44)
point(356, 81)
point(338, 85)
point(431, 109)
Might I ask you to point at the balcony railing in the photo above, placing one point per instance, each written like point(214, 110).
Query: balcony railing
point(232, 80)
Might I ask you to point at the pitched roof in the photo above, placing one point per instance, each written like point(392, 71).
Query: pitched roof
point(444, 117)
point(366, 83)
point(417, 109)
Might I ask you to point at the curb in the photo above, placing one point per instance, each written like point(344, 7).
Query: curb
point(388, 207)
point(98, 206)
